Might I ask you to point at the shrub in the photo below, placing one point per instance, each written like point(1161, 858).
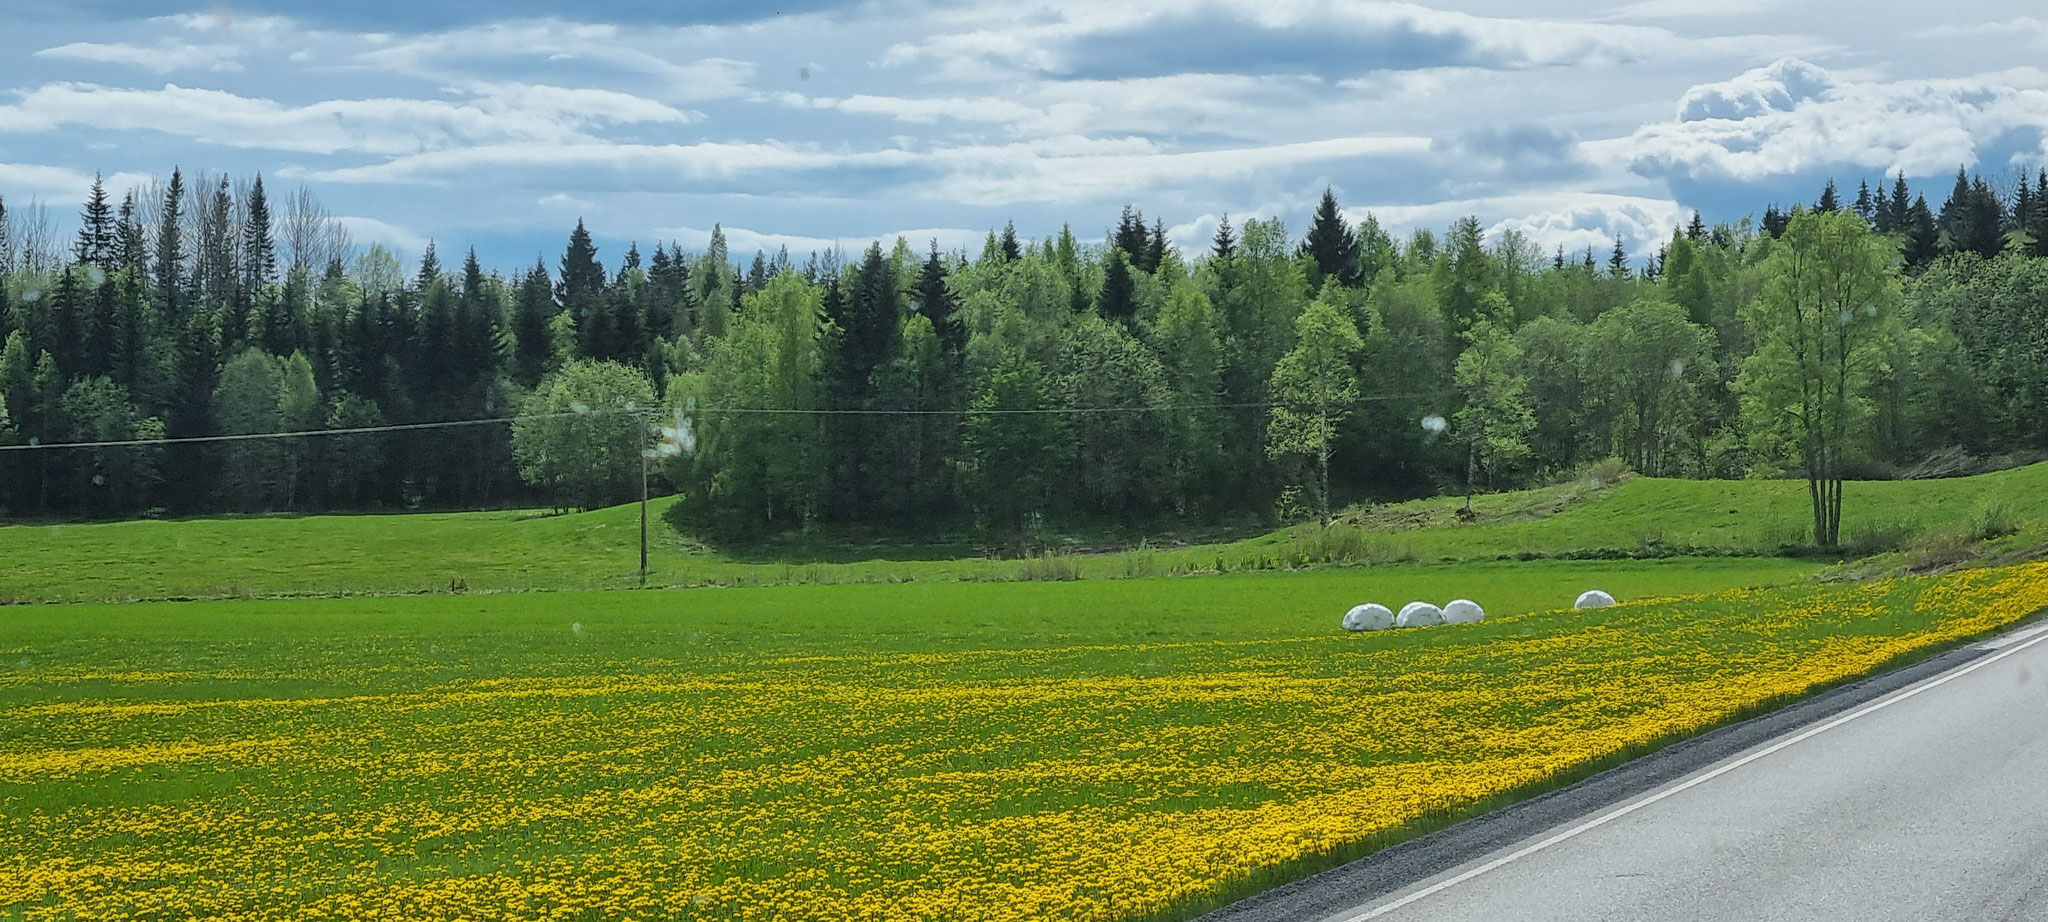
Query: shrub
point(1938, 551)
point(1050, 566)
point(1880, 536)
point(1994, 518)
point(1608, 472)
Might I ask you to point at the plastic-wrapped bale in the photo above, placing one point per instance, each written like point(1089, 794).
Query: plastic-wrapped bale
point(1419, 614)
point(1369, 617)
point(1593, 598)
point(1463, 611)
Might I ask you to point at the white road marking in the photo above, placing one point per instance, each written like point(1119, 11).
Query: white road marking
point(2008, 640)
point(2041, 634)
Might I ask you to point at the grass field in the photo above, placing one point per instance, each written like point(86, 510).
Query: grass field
point(342, 554)
point(1104, 750)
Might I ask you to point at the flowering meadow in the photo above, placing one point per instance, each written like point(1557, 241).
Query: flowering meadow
point(970, 752)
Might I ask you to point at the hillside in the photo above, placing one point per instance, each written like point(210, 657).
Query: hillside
point(496, 551)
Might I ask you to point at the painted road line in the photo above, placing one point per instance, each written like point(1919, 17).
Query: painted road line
point(2041, 634)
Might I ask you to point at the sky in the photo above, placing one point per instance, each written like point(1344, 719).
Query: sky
point(814, 123)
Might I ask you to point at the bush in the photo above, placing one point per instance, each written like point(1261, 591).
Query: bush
point(1607, 473)
point(1994, 518)
point(1881, 536)
point(1939, 550)
point(1051, 565)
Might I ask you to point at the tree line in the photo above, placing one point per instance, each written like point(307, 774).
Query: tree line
point(1126, 377)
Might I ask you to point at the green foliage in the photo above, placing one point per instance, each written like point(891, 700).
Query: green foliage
point(1496, 420)
point(1828, 307)
point(1313, 389)
point(756, 470)
point(580, 434)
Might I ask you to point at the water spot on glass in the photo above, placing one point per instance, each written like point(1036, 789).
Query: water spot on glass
point(99, 480)
point(1678, 368)
point(1434, 424)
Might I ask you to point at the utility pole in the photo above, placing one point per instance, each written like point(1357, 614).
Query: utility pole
point(643, 517)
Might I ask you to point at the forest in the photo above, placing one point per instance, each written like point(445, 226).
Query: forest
point(1127, 377)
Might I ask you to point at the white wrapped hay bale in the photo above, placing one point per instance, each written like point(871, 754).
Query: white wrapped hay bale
point(1593, 598)
point(1463, 611)
point(1420, 614)
point(1369, 617)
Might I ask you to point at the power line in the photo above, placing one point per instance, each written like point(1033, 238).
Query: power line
point(653, 413)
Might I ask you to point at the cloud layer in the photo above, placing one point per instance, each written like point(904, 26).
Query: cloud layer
point(825, 121)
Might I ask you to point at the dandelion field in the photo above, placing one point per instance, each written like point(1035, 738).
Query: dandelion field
point(1095, 750)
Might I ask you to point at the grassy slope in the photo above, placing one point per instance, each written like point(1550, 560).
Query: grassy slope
point(518, 550)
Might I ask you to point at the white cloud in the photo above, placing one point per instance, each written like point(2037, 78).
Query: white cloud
point(1691, 9)
point(1044, 38)
point(743, 242)
point(489, 113)
point(164, 57)
point(2025, 27)
point(1760, 125)
point(60, 184)
point(639, 50)
point(1780, 87)
point(689, 161)
point(366, 231)
point(989, 176)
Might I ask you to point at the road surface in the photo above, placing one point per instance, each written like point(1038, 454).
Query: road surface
point(1922, 794)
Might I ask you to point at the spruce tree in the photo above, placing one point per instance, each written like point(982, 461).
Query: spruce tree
point(1830, 200)
point(1901, 201)
point(1922, 232)
point(1011, 250)
point(259, 250)
point(1697, 230)
point(1224, 244)
point(935, 303)
point(531, 343)
point(2037, 222)
point(1155, 247)
point(1866, 207)
point(1118, 299)
point(430, 269)
point(1617, 261)
point(1331, 245)
point(1130, 235)
point(128, 243)
point(580, 287)
point(171, 250)
point(96, 229)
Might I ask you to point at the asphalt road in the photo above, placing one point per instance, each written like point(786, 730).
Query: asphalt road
point(1920, 794)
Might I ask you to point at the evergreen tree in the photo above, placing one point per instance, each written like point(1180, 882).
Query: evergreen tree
point(1617, 261)
point(1697, 230)
point(129, 250)
point(532, 345)
point(1922, 233)
point(1155, 248)
point(935, 303)
point(1331, 245)
point(1866, 207)
point(1224, 244)
point(581, 285)
point(1130, 235)
point(1118, 299)
point(1901, 203)
point(96, 229)
point(259, 249)
point(1830, 200)
point(214, 276)
point(2037, 222)
point(1012, 250)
